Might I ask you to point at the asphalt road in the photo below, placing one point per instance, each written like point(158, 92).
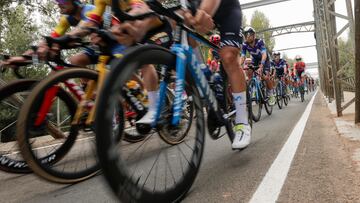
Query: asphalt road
point(225, 175)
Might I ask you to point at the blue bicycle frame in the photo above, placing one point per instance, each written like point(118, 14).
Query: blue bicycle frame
point(186, 59)
point(257, 85)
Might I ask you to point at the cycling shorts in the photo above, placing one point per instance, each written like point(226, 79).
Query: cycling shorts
point(228, 20)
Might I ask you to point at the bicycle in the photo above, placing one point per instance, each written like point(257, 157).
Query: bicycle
point(81, 122)
point(12, 96)
point(281, 96)
point(137, 176)
point(258, 94)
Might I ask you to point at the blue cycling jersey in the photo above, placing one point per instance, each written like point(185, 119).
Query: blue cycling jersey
point(256, 51)
point(279, 66)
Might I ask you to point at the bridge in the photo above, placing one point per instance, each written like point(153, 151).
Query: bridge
point(302, 152)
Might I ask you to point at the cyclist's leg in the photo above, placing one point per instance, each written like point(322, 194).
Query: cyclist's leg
point(231, 40)
point(160, 36)
point(270, 84)
point(85, 58)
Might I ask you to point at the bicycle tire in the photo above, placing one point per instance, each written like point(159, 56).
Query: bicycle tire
point(124, 186)
point(279, 96)
point(10, 164)
point(268, 107)
point(41, 168)
point(251, 87)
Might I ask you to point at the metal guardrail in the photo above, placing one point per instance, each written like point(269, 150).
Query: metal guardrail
point(348, 84)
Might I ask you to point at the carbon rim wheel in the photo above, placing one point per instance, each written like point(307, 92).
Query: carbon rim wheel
point(12, 97)
point(151, 170)
point(76, 159)
point(254, 100)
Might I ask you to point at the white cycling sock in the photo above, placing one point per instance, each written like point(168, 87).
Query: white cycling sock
point(153, 99)
point(240, 105)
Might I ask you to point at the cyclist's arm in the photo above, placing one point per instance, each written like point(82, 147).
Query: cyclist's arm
point(139, 7)
point(243, 55)
point(210, 6)
point(242, 59)
point(94, 18)
point(295, 71)
point(61, 27)
point(263, 52)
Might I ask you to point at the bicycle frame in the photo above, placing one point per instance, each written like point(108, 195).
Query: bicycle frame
point(186, 59)
point(258, 92)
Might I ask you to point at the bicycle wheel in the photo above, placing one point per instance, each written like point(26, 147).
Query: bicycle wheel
point(268, 107)
point(77, 144)
point(151, 170)
point(254, 99)
point(279, 95)
point(285, 96)
point(12, 97)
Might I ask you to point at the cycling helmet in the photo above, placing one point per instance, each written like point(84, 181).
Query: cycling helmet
point(298, 58)
point(276, 53)
point(249, 30)
point(215, 39)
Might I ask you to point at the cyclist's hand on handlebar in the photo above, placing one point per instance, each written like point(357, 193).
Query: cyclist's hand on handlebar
point(96, 39)
point(54, 50)
point(10, 63)
point(42, 51)
point(202, 22)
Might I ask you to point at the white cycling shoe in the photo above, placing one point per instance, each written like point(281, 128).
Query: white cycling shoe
point(148, 118)
point(242, 136)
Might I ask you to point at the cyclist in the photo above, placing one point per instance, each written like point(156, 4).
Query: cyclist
point(72, 12)
point(256, 48)
point(152, 30)
point(223, 13)
point(299, 68)
point(213, 56)
point(279, 65)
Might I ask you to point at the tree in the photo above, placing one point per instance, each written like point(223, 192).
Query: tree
point(19, 31)
point(346, 57)
point(260, 22)
point(244, 21)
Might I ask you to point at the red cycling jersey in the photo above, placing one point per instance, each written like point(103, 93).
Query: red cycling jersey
point(299, 66)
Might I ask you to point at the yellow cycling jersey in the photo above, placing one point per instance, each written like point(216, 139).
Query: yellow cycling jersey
point(66, 21)
point(100, 6)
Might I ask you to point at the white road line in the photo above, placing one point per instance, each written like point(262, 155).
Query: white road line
point(270, 186)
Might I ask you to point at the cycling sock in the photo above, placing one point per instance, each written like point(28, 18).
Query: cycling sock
point(240, 105)
point(153, 99)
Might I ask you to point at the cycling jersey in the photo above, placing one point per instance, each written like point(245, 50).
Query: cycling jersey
point(279, 67)
point(256, 53)
point(300, 68)
point(67, 21)
point(124, 5)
